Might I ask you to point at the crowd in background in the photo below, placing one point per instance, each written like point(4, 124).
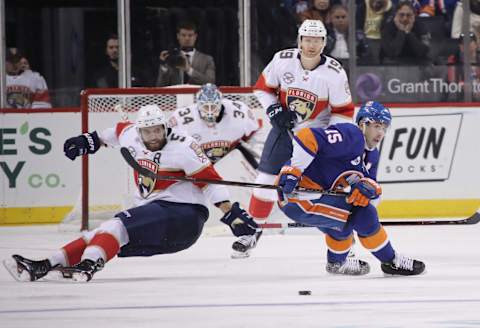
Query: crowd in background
point(191, 45)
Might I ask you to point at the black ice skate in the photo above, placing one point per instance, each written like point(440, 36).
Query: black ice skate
point(351, 267)
point(244, 244)
point(23, 269)
point(403, 266)
point(83, 271)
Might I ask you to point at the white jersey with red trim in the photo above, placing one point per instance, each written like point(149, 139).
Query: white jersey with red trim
point(237, 122)
point(320, 97)
point(27, 90)
point(181, 156)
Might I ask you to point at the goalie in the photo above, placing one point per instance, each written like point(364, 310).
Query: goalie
point(169, 215)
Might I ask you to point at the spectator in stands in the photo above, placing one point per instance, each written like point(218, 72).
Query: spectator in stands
point(107, 76)
point(371, 16)
point(185, 64)
point(25, 88)
point(337, 36)
point(404, 39)
point(455, 68)
point(474, 19)
point(318, 10)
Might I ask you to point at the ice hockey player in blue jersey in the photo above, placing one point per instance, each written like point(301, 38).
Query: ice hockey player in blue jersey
point(343, 158)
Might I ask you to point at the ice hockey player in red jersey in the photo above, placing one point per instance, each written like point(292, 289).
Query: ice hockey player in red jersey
point(343, 158)
point(300, 87)
point(168, 215)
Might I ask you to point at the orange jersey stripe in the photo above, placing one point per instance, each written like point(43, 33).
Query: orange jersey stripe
point(306, 182)
point(375, 241)
point(308, 139)
point(339, 246)
point(321, 209)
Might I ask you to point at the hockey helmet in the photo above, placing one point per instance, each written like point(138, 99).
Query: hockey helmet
point(312, 27)
point(209, 102)
point(373, 111)
point(150, 115)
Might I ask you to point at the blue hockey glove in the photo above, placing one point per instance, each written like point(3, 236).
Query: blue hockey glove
point(289, 178)
point(363, 191)
point(87, 143)
point(239, 221)
point(280, 117)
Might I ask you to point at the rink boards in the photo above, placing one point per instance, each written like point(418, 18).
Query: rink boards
point(427, 167)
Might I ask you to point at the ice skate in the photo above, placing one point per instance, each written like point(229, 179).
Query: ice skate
point(83, 271)
point(23, 269)
point(403, 266)
point(244, 244)
point(351, 266)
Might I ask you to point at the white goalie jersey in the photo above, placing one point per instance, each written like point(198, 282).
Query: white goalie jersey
point(319, 97)
point(181, 156)
point(236, 122)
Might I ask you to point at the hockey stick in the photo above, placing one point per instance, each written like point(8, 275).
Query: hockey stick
point(473, 219)
point(145, 172)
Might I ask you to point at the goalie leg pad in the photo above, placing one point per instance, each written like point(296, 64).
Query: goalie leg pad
point(162, 227)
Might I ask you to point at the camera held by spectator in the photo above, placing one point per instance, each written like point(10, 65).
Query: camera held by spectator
point(175, 58)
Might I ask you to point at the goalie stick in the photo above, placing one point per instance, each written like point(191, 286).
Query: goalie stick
point(145, 172)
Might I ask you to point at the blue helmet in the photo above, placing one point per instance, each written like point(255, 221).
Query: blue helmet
point(209, 102)
point(373, 111)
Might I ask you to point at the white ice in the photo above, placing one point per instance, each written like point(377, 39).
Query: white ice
point(203, 287)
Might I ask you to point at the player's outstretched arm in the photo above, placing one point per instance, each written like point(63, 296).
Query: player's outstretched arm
point(87, 143)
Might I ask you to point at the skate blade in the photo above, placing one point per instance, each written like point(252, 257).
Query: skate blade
point(240, 255)
point(18, 273)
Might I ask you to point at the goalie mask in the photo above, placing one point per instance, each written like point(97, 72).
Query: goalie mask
point(151, 124)
point(209, 102)
point(313, 28)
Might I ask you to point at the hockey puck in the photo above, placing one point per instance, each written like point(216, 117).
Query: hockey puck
point(304, 292)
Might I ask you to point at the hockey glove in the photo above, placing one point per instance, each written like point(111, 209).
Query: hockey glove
point(289, 178)
point(363, 191)
point(239, 221)
point(280, 117)
point(87, 143)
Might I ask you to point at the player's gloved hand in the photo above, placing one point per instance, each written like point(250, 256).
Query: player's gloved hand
point(87, 143)
point(280, 117)
point(363, 191)
point(289, 178)
point(239, 221)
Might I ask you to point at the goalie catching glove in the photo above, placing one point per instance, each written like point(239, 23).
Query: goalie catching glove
point(87, 143)
point(363, 191)
point(239, 221)
point(280, 117)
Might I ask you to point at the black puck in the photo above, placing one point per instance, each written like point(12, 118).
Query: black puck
point(304, 292)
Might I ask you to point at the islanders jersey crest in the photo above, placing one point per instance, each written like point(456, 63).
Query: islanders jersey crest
point(302, 102)
point(344, 180)
point(146, 185)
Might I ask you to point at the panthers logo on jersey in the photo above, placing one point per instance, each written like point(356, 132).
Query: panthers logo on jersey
point(302, 102)
point(146, 185)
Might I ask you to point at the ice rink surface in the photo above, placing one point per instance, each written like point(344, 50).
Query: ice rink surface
point(203, 287)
